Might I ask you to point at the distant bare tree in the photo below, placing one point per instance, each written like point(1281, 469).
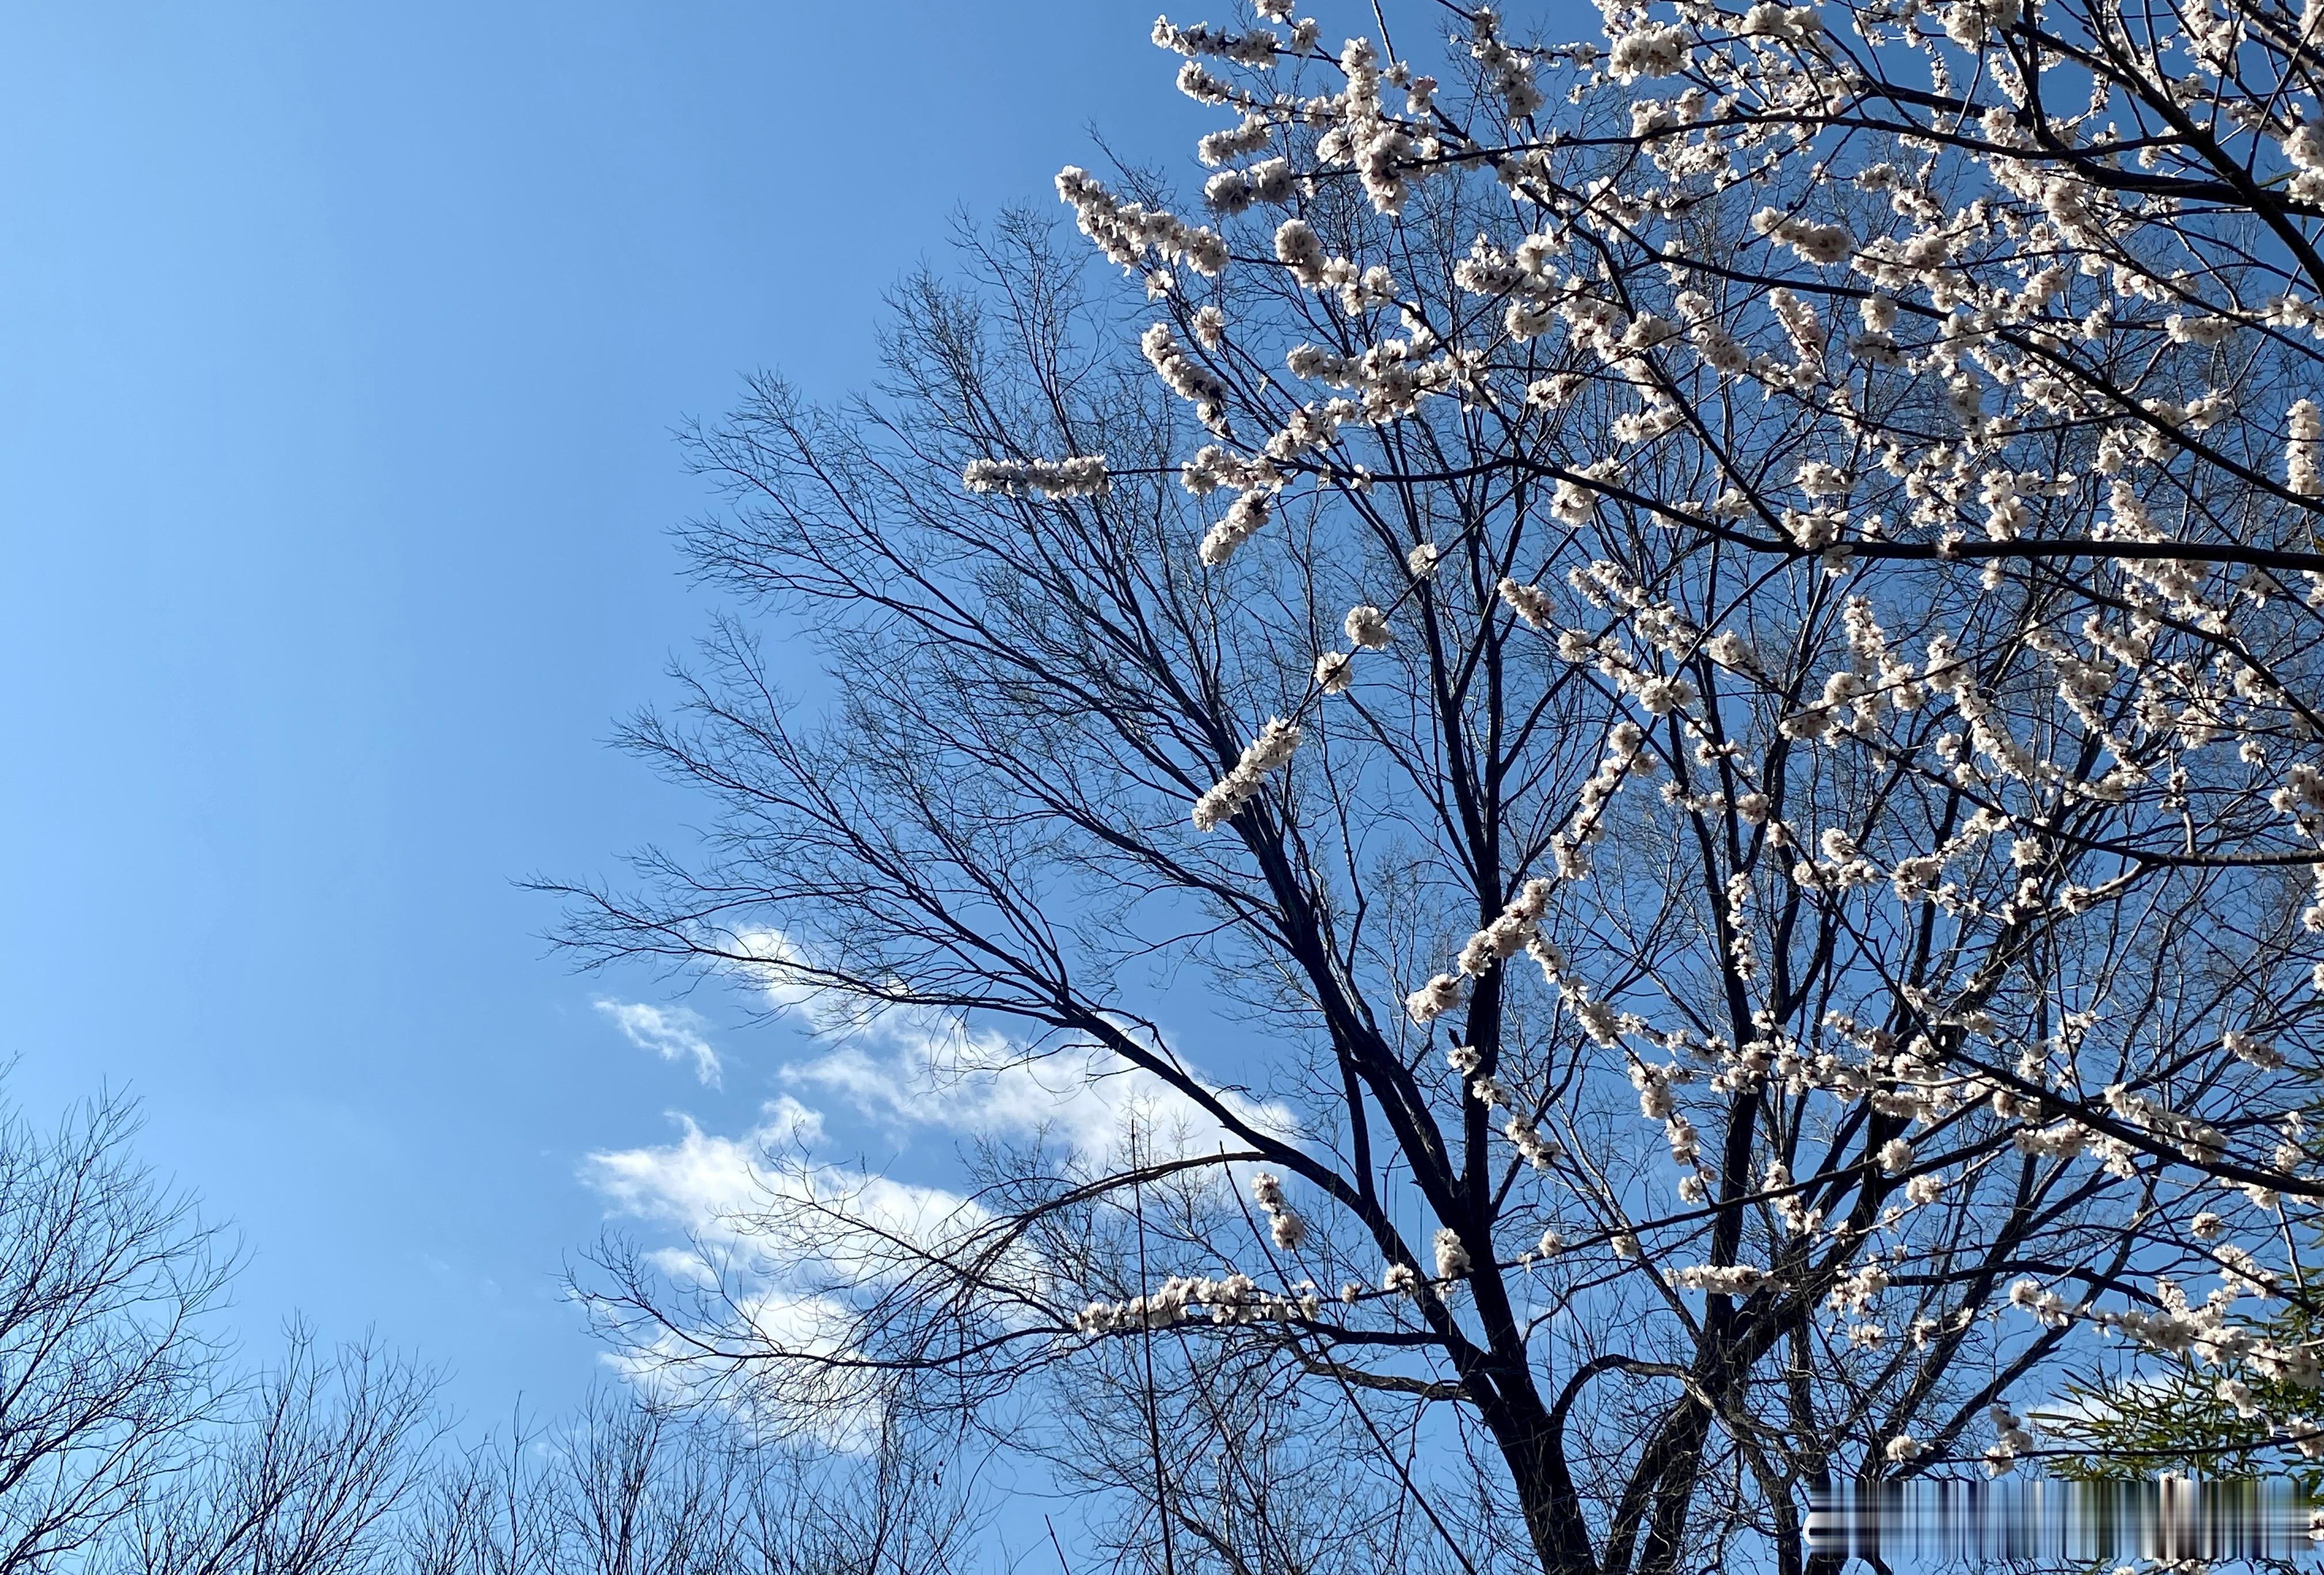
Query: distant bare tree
point(888, 1512)
point(131, 1442)
point(630, 1487)
point(642, 1492)
point(486, 1514)
point(106, 1369)
point(303, 1477)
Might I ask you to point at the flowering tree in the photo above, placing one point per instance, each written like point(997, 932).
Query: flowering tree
point(1708, 635)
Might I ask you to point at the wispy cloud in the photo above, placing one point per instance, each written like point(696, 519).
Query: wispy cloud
point(789, 1242)
point(674, 1033)
point(842, 1409)
point(702, 1183)
point(776, 967)
point(931, 1071)
point(796, 1242)
point(935, 1072)
point(913, 1078)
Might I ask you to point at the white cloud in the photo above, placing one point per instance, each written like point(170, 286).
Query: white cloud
point(712, 1186)
point(776, 967)
point(935, 1072)
point(841, 1411)
point(728, 1189)
point(674, 1033)
point(802, 1241)
point(913, 1077)
point(930, 1071)
point(700, 1181)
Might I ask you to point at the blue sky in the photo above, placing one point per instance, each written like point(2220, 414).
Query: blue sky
point(340, 349)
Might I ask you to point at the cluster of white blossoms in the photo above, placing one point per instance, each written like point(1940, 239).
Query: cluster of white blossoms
point(2172, 1325)
point(1256, 480)
point(1510, 934)
point(1530, 603)
point(1132, 234)
point(1269, 752)
point(1243, 519)
point(1733, 1280)
point(1626, 755)
point(1257, 47)
point(1187, 377)
point(1235, 1300)
point(2011, 1438)
point(1081, 476)
point(1233, 191)
point(1366, 629)
point(1822, 244)
point(1390, 378)
point(1649, 49)
point(1535, 1147)
point(1284, 1225)
point(1432, 1000)
point(2303, 446)
point(1858, 1292)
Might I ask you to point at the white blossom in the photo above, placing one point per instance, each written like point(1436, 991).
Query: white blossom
point(2010, 1438)
point(2303, 449)
point(1649, 50)
point(1269, 753)
point(1737, 1280)
point(1439, 995)
point(1083, 475)
point(1285, 1226)
point(1368, 628)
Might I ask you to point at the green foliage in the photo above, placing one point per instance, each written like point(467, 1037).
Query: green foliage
point(2114, 1428)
